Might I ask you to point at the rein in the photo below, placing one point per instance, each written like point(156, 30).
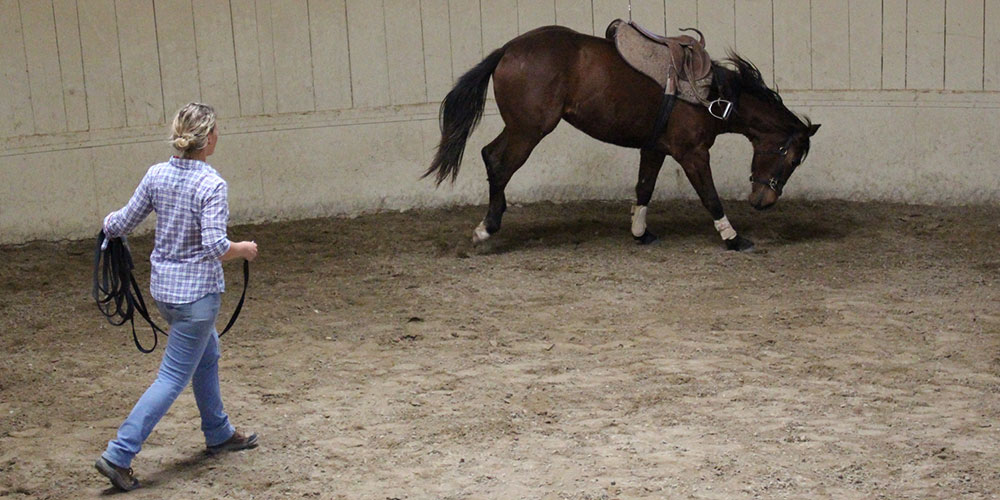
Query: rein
point(118, 295)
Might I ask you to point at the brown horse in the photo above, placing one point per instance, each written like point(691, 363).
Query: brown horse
point(554, 73)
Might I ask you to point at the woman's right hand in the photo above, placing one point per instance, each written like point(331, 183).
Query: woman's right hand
point(241, 249)
point(248, 250)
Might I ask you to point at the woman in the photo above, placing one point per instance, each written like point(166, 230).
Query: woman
point(189, 198)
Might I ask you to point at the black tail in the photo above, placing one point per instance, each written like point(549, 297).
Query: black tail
point(460, 113)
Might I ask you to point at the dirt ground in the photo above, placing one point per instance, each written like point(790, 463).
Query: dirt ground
point(854, 354)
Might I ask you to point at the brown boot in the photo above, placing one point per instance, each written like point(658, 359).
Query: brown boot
point(238, 441)
point(120, 477)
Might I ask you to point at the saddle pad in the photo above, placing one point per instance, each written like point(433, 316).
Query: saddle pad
point(660, 61)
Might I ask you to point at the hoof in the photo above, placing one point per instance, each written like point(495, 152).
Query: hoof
point(646, 238)
point(480, 234)
point(739, 244)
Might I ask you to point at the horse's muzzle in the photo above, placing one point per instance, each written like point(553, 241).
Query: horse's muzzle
point(762, 197)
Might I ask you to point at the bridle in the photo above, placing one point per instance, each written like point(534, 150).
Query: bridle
point(775, 183)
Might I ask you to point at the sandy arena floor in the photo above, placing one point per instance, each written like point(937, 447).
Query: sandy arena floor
point(855, 354)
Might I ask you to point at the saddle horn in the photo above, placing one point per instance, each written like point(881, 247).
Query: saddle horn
point(701, 37)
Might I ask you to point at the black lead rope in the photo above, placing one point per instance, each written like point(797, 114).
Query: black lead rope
point(118, 294)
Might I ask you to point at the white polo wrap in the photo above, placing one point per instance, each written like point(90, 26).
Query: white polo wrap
point(725, 229)
point(480, 234)
point(639, 220)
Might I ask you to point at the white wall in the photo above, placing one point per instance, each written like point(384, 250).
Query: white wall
point(329, 107)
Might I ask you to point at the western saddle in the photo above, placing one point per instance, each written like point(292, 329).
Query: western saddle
point(679, 64)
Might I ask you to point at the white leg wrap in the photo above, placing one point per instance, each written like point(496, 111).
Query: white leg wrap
point(480, 234)
point(725, 229)
point(639, 220)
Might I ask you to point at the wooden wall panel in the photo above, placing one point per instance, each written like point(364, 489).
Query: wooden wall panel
point(894, 44)
point(331, 60)
point(369, 71)
point(792, 45)
point(437, 48)
point(647, 13)
point(925, 44)
point(576, 14)
point(866, 44)
point(680, 14)
point(405, 49)
point(293, 56)
point(831, 54)
point(42, 54)
point(605, 11)
point(964, 45)
point(265, 43)
point(248, 76)
point(499, 23)
point(717, 20)
point(754, 36)
point(140, 62)
point(178, 54)
point(71, 64)
point(15, 107)
point(102, 65)
point(991, 45)
point(466, 35)
point(534, 13)
point(213, 30)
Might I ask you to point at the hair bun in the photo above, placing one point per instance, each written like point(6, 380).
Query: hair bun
point(182, 142)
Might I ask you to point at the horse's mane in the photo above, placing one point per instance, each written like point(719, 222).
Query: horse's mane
point(746, 78)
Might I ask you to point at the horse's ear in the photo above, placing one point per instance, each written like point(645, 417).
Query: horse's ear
point(813, 128)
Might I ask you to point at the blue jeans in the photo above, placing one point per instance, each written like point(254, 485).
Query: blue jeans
point(192, 355)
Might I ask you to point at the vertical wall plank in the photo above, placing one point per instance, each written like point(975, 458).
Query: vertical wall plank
point(648, 13)
point(265, 43)
point(754, 33)
point(213, 30)
point(466, 35)
point(405, 48)
point(140, 62)
point(534, 13)
point(15, 107)
point(499, 23)
point(681, 14)
point(248, 77)
point(369, 71)
point(894, 44)
point(831, 54)
point(437, 48)
point(330, 58)
point(792, 45)
point(178, 63)
point(925, 44)
point(716, 19)
point(292, 56)
point(576, 14)
point(605, 11)
point(963, 57)
point(42, 54)
point(71, 64)
point(991, 64)
point(102, 65)
point(866, 44)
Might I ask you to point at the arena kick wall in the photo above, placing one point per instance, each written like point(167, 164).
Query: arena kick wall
point(329, 107)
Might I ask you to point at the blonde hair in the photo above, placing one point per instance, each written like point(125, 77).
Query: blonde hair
point(192, 124)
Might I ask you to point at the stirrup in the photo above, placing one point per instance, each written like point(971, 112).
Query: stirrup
point(726, 110)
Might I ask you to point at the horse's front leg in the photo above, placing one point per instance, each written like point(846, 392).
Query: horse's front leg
point(698, 169)
point(649, 169)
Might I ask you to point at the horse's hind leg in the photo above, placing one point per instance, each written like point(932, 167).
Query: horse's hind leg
point(503, 157)
point(650, 162)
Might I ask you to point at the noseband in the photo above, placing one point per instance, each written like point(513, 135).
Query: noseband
point(775, 183)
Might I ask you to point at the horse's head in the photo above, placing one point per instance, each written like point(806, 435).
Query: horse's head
point(775, 157)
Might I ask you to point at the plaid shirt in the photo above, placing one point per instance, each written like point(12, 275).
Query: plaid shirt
point(192, 210)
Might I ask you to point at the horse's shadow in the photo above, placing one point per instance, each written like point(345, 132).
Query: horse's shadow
point(789, 227)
